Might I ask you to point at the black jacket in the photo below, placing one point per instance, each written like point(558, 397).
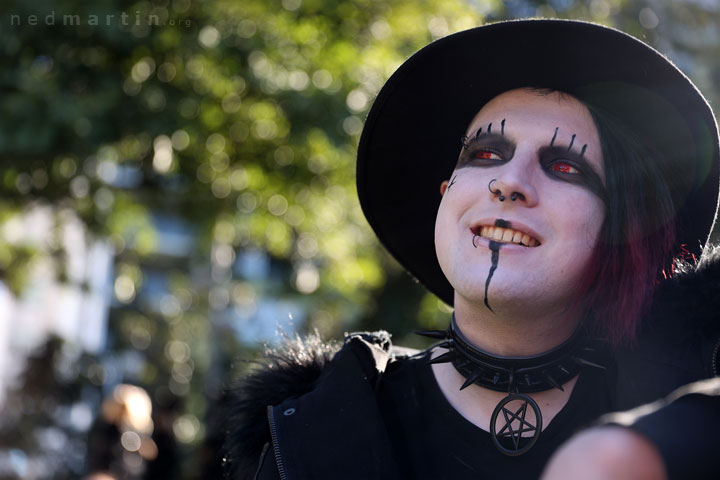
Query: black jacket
point(309, 411)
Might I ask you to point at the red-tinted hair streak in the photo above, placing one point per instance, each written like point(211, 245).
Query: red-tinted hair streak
point(637, 240)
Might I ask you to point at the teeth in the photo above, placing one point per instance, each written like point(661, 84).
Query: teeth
point(508, 235)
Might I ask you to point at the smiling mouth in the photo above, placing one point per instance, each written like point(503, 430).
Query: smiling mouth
point(505, 235)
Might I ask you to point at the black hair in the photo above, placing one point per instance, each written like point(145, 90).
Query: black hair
point(638, 237)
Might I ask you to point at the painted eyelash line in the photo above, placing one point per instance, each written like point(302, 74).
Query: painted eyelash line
point(489, 129)
point(464, 139)
point(572, 140)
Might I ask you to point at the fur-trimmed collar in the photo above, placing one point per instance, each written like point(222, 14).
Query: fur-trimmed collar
point(288, 371)
point(693, 290)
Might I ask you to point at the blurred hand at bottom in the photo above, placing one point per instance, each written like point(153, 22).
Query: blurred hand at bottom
point(606, 453)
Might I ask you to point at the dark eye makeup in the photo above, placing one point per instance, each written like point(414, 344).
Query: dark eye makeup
point(486, 149)
point(570, 166)
point(564, 163)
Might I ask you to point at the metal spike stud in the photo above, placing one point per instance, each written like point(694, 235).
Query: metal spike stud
point(471, 379)
point(439, 334)
point(582, 361)
point(496, 378)
point(444, 358)
point(565, 370)
point(552, 381)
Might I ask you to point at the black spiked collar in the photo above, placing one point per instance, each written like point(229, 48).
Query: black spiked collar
point(537, 373)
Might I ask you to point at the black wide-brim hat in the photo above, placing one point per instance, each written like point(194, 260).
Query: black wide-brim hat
point(411, 139)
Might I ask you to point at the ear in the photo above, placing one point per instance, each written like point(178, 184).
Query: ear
point(443, 187)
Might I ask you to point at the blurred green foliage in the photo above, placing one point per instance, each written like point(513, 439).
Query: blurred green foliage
point(239, 120)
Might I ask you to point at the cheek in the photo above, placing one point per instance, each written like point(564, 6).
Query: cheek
point(448, 220)
point(443, 240)
point(585, 225)
point(595, 219)
point(441, 226)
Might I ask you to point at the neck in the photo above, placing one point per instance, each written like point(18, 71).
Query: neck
point(514, 333)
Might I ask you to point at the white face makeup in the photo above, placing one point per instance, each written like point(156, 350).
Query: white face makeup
point(541, 154)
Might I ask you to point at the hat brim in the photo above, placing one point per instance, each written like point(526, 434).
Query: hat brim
point(411, 137)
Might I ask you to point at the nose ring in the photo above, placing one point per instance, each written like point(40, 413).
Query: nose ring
point(498, 192)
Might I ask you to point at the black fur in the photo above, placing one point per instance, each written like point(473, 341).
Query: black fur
point(691, 297)
point(289, 371)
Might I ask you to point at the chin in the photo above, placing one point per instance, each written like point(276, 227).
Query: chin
point(473, 292)
point(503, 291)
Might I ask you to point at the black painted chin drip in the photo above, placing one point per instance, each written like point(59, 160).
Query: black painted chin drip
point(495, 248)
point(494, 257)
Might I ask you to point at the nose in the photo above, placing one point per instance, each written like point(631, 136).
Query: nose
point(514, 184)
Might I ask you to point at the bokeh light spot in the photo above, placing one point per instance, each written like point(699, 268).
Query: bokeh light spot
point(209, 36)
point(130, 441)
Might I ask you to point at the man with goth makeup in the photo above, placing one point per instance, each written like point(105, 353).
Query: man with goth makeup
point(569, 235)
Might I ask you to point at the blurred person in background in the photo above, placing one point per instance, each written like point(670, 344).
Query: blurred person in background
point(120, 442)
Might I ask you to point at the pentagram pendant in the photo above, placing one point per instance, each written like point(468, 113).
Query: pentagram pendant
point(509, 439)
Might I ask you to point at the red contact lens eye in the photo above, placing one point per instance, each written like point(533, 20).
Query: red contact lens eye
point(563, 168)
